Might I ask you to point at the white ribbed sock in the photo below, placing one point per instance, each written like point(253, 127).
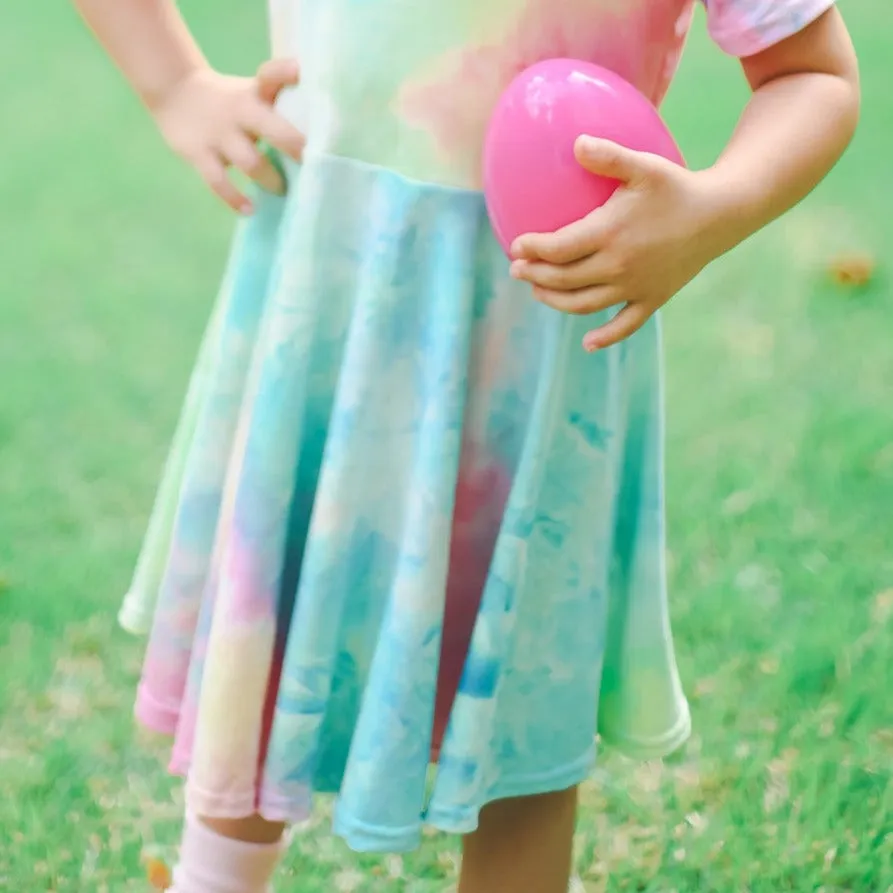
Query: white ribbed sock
point(211, 863)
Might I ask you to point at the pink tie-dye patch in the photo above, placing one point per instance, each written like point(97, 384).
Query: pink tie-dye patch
point(640, 40)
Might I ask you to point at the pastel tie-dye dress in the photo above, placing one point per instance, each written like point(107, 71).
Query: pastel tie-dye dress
point(406, 521)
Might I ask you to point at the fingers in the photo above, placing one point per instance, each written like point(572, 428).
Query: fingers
point(274, 76)
point(581, 302)
point(583, 237)
point(596, 299)
point(608, 159)
point(265, 124)
point(246, 117)
point(214, 173)
point(244, 155)
point(601, 268)
point(568, 244)
point(627, 322)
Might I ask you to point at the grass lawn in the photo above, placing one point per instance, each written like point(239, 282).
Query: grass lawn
point(781, 487)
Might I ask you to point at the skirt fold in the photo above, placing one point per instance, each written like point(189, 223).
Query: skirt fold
point(385, 532)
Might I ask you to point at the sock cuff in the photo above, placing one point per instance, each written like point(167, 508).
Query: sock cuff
point(213, 863)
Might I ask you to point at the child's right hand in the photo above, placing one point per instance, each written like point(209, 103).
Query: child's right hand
point(215, 122)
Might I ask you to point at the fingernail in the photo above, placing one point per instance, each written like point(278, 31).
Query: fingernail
point(516, 269)
point(590, 345)
point(247, 209)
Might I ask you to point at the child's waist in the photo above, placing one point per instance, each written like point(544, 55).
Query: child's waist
point(376, 132)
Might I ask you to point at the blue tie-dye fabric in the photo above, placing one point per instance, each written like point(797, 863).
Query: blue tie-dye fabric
point(409, 545)
point(384, 430)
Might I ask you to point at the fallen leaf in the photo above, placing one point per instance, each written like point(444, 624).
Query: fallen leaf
point(882, 607)
point(853, 270)
point(158, 873)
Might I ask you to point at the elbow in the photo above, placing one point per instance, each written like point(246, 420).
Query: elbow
point(848, 90)
point(849, 104)
point(855, 93)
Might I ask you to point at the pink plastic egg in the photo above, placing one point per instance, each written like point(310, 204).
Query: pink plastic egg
point(532, 180)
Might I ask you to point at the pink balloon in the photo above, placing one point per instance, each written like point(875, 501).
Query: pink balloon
point(532, 180)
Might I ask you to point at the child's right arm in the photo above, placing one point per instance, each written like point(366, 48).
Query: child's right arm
point(212, 120)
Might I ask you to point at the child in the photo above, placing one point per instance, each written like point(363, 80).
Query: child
point(407, 521)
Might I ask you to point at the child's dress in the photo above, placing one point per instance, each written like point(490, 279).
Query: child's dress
point(389, 449)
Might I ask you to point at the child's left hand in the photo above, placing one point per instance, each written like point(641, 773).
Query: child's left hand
point(654, 235)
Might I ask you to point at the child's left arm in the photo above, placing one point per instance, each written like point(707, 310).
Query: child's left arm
point(665, 223)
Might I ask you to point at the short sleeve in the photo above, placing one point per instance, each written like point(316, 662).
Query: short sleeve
point(746, 27)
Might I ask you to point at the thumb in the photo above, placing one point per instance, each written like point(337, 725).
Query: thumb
point(274, 76)
point(608, 159)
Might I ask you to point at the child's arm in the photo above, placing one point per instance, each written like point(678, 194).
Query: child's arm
point(148, 40)
point(213, 121)
point(665, 224)
point(801, 117)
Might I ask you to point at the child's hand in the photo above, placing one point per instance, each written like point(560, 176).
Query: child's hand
point(654, 235)
point(215, 122)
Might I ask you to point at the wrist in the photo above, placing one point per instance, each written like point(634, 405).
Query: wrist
point(148, 41)
point(732, 211)
point(156, 94)
point(167, 58)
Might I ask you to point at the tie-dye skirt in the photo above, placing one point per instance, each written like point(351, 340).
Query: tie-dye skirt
point(409, 543)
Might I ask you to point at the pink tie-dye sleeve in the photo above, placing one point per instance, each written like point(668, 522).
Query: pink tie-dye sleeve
point(745, 27)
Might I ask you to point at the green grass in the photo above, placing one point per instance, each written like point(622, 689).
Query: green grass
point(781, 483)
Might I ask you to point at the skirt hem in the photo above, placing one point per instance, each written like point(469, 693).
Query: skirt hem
point(153, 715)
point(135, 617)
point(363, 837)
point(653, 748)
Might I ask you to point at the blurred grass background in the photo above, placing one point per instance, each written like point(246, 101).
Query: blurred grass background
point(781, 486)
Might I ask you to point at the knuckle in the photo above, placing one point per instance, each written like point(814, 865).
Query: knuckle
point(181, 144)
point(216, 179)
point(287, 141)
point(574, 251)
point(622, 330)
point(219, 183)
point(583, 303)
point(560, 254)
point(630, 326)
point(612, 332)
point(612, 160)
point(547, 249)
point(590, 302)
point(611, 230)
point(221, 191)
point(255, 165)
point(617, 266)
point(556, 278)
point(547, 296)
point(245, 107)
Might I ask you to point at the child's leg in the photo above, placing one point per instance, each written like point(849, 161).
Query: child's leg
point(522, 846)
point(227, 856)
point(251, 830)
